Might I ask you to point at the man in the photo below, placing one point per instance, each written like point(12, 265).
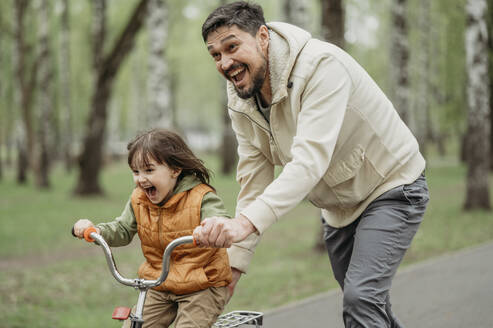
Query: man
point(308, 106)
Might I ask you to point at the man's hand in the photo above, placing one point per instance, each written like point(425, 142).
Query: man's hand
point(222, 232)
point(231, 287)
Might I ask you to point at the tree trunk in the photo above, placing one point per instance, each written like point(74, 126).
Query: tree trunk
point(24, 91)
point(333, 21)
point(422, 105)
point(22, 159)
point(297, 13)
point(229, 146)
point(66, 107)
point(229, 153)
point(3, 96)
point(400, 59)
point(158, 84)
point(43, 148)
point(490, 52)
point(1, 155)
point(91, 158)
point(476, 36)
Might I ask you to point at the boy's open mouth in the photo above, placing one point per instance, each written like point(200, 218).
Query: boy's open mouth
point(150, 191)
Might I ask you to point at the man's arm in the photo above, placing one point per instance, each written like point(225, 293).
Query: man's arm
point(324, 102)
point(323, 105)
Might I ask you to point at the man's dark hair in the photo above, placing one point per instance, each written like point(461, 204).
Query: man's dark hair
point(247, 16)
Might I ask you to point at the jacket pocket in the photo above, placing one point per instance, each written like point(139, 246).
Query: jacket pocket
point(186, 278)
point(353, 178)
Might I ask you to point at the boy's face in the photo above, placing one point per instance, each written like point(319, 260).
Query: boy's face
point(156, 180)
point(240, 57)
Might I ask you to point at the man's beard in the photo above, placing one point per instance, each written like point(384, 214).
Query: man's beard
point(257, 82)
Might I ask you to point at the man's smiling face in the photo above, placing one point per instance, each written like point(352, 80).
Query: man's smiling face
point(240, 57)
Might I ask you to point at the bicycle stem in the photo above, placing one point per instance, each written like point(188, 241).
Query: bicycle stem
point(140, 283)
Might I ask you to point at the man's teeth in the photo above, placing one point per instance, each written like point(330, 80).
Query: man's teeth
point(237, 72)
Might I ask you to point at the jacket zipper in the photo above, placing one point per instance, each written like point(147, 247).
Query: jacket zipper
point(272, 139)
point(160, 223)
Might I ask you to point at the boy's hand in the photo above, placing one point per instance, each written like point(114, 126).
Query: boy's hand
point(81, 225)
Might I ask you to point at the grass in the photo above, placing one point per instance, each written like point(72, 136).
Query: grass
point(49, 279)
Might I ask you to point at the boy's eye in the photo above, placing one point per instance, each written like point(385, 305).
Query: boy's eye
point(135, 172)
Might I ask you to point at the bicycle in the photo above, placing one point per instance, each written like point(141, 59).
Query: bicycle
point(229, 320)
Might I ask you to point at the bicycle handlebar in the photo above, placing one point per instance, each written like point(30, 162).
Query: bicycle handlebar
point(91, 235)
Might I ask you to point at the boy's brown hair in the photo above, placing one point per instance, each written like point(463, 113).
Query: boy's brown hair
point(166, 147)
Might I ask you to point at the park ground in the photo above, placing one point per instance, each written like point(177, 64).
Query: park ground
point(50, 279)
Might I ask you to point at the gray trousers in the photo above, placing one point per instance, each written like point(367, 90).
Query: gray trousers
point(365, 255)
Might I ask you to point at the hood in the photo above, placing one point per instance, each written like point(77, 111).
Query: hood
point(286, 42)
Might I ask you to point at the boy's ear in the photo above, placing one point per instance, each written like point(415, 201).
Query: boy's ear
point(176, 173)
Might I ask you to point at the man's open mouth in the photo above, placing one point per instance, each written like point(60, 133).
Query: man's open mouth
point(237, 73)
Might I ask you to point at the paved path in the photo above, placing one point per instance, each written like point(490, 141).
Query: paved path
point(453, 291)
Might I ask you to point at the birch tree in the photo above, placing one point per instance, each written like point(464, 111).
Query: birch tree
point(43, 147)
point(106, 68)
point(229, 155)
point(297, 13)
point(333, 21)
point(2, 94)
point(422, 100)
point(400, 59)
point(25, 78)
point(476, 38)
point(490, 52)
point(66, 107)
point(159, 113)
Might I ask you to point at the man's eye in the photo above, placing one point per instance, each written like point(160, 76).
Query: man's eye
point(216, 56)
point(232, 46)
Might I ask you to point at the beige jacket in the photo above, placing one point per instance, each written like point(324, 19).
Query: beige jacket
point(338, 137)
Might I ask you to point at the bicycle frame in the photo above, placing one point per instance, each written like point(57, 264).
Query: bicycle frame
point(229, 320)
point(140, 284)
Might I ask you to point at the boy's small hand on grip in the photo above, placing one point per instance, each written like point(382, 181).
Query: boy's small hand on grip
point(88, 232)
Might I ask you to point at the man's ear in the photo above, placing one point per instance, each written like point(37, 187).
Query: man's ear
point(263, 37)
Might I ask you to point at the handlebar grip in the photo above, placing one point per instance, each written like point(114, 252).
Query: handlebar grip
point(87, 234)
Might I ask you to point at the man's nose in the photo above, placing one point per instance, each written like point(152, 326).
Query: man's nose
point(226, 63)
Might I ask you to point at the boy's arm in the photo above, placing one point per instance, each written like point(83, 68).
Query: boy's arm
point(212, 205)
point(120, 231)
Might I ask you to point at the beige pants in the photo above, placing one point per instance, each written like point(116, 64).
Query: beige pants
point(196, 310)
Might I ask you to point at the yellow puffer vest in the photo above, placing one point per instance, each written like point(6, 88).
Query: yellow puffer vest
point(191, 268)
